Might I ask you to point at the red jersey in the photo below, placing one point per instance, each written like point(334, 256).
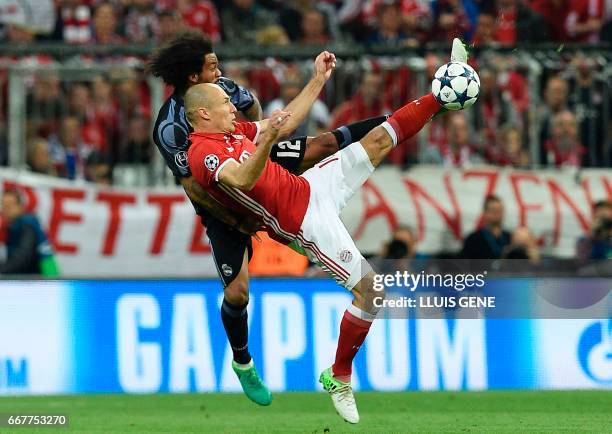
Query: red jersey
point(279, 198)
point(203, 16)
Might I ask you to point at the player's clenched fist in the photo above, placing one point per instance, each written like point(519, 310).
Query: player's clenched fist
point(325, 64)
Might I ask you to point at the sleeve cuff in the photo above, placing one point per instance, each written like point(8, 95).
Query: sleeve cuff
point(221, 168)
point(258, 124)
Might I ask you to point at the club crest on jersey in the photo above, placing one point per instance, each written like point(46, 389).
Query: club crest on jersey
point(345, 255)
point(181, 159)
point(227, 270)
point(211, 162)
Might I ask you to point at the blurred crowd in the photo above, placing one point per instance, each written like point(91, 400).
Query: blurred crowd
point(97, 128)
point(495, 247)
point(389, 22)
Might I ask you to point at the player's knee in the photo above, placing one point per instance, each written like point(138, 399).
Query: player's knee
point(237, 292)
point(369, 296)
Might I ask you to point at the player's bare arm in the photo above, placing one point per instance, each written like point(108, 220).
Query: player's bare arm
point(300, 106)
point(255, 112)
point(244, 175)
point(197, 194)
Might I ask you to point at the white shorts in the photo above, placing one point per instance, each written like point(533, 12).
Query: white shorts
point(322, 235)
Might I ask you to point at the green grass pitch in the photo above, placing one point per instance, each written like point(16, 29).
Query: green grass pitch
point(459, 412)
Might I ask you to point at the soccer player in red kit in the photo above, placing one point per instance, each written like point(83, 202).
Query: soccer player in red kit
point(224, 159)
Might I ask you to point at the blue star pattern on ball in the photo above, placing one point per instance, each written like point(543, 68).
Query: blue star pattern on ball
point(456, 86)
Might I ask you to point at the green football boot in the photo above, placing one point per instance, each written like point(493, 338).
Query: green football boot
point(254, 388)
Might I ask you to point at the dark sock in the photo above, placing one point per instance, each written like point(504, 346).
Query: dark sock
point(235, 321)
point(347, 134)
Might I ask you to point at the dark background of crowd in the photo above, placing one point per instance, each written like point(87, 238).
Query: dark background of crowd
point(98, 129)
point(400, 22)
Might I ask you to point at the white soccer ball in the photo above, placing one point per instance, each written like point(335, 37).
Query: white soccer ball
point(456, 86)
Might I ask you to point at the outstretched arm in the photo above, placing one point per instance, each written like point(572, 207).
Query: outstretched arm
point(300, 106)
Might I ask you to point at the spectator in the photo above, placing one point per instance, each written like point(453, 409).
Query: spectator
point(317, 120)
point(564, 147)
point(105, 112)
point(485, 30)
point(509, 150)
point(170, 25)
point(314, 28)
point(131, 99)
point(273, 35)
point(45, 105)
point(104, 25)
point(555, 101)
point(98, 169)
point(38, 157)
point(401, 245)
point(523, 246)
point(598, 244)
point(291, 12)
point(138, 147)
point(141, 22)
point(27, 248)
point(415, 15)
point(494, 107)
point(68, 150)
point(588, 100)
point(80, 105)
point(398, 252)
point(367, 102)
point(451, 19)
point(389, 27)
point(79, 101)
point(489, 241)
point(584, 20)
point(73, 24)
point(515, 22)
point(554, 13)
point(456, 151)
point(201, 15)
point(243, 19)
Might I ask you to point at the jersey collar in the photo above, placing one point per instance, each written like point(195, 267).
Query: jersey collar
point(213, 136)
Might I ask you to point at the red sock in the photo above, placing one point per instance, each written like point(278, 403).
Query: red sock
point(409, 120)
point(353, 331)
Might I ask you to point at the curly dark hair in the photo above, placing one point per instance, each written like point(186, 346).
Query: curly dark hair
point(175, 61)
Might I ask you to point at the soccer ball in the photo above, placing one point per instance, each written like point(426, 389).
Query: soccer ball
point(456, 86)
